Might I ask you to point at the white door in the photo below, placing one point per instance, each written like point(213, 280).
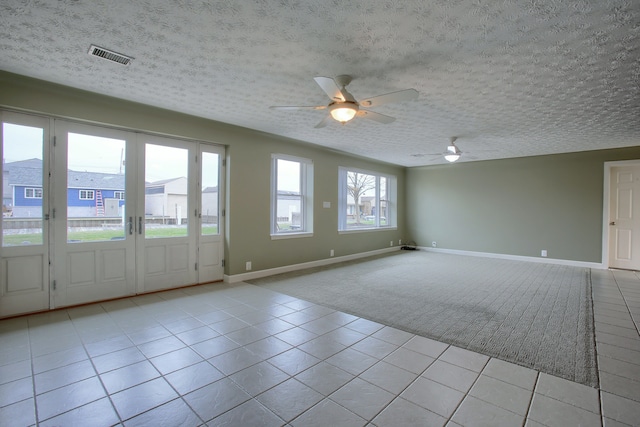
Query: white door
point(624, 217)
point(211, 188)
point(24, 254)
point(167, 220)
point(94, 248)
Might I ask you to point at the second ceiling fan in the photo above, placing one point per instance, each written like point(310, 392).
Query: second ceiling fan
point(344, 107)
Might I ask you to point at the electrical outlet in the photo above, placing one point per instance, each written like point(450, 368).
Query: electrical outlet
point(434, 244)
point(331, 252)
point(391, 243)
point(543, 253)
point(400, 242)
point(248, 266)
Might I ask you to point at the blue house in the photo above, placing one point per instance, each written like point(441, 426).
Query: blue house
point(89, 194)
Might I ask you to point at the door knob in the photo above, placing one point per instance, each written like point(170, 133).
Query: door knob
point(612, 223)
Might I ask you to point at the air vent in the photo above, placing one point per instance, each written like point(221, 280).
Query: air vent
point(109, 55)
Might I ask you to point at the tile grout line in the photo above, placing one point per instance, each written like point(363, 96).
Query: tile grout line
point(533, 394)
point(450, 419)
point(104, 388)
point(626, 305)
point(33, 375)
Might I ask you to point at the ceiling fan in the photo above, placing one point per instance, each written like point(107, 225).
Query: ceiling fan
point(344, 107)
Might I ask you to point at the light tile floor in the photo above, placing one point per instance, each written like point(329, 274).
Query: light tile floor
point(241, 355)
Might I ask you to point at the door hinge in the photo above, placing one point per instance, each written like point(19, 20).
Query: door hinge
point(46, 217)
point(224, 162)
point(196, 266)
point(224, 212)
point(53, 212)
point(196, 158)
point(54, 140)
point(195, 212)
point(223, 263)
point(55, 285)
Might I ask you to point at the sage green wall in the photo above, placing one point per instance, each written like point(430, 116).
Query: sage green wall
point(513, 206)
point(248, 172)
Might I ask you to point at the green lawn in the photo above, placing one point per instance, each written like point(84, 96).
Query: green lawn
point(102, 235)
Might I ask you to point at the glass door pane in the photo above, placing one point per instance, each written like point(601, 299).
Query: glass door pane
point(166, 191)
point(95, 188)
point(210, 197)
point(22, 185)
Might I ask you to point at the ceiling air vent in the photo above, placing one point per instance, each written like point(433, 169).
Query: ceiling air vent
point(109, 55)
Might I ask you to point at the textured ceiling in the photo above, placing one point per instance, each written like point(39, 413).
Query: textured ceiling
point(509, 78)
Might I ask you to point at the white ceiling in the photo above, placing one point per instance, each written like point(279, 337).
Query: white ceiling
point(509, 78)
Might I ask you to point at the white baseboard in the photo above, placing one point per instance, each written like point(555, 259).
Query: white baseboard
point(568, 262)
point(294, 267)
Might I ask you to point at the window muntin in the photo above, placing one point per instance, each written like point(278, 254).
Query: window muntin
point(367, 200)
point(291, 196)
point(86, 195)
point(33, 193)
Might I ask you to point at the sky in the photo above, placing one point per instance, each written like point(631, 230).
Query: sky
point(162, 162)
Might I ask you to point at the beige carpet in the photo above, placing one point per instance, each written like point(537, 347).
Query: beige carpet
point(536, 315)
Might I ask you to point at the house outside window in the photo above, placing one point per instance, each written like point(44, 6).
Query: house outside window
point(33, 193)
point(118, 195)
point(291, 196)
point(87, 194)
point(367, 200)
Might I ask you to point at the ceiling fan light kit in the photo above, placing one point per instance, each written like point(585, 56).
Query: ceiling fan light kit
point(343, 111)
point(453, 153)
point(344, 107)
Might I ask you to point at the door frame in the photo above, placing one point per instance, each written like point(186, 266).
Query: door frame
point(606, 205)
point(46, 295)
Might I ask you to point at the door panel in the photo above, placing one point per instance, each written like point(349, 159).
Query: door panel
point(94, 246)
point(166, 242)
point(24, 253)
point(624, 217)
point(211, 238)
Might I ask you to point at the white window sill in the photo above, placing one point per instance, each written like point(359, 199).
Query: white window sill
point(366, 230)
point(280, 236)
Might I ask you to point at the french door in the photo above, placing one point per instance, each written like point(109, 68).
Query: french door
point(24, 253)
point(93, 246)
point(180, 239)
point(104, 213)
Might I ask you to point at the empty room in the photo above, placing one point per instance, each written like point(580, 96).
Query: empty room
point(309, 213)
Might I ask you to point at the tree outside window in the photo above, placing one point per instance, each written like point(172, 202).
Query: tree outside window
point(367, 200)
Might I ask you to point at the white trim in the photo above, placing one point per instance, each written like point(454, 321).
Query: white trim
point(367, 230)
point(295, 267)
point(290, 235)
point(568, 262)
point(606, 200)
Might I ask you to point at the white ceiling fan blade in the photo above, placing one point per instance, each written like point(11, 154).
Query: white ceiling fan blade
point(380, 118)
point(402, 95)
point(330, 87)
point(323, 122)
point(297, 107)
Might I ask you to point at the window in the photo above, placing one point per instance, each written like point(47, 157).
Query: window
point(33, 193)
point(291, 196)
point(87, 195)
point(118, 195)
point(367, 200)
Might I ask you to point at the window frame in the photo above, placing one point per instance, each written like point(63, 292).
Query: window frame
point(306, 197)
point(118, 195)
point(93, 195)
point(391, 200)
point(36, 191)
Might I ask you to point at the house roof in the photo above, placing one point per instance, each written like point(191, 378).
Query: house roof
point(29, 173)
